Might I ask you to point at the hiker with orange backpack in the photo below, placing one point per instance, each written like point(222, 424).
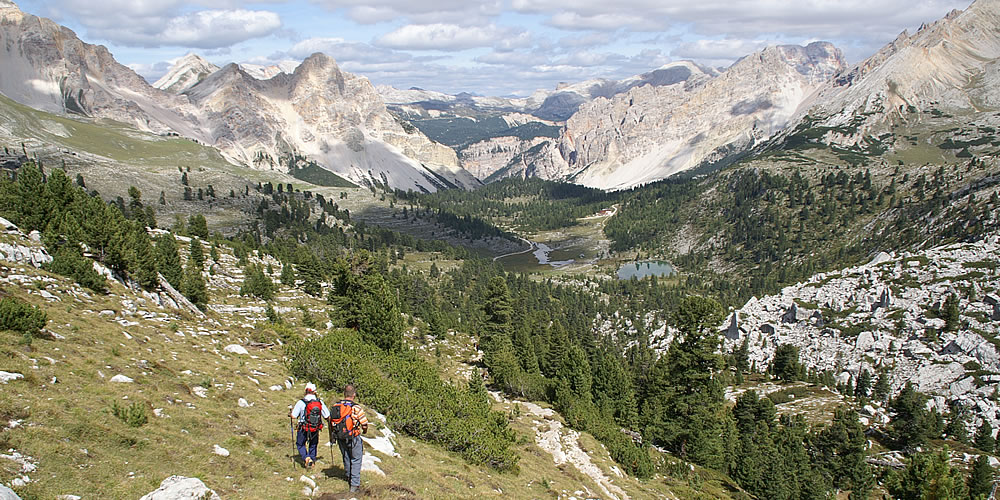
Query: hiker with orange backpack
point(310, 412)
point(347, 423)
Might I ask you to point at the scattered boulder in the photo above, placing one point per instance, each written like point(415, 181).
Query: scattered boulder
point(5, 492)
point(182, 488)
point(9, 377)
point(7, 225)
point(235, 349)
point(220, 451)
point(243, 403)
point(122, 379)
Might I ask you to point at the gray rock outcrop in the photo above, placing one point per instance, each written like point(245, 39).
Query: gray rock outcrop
point(182, 488)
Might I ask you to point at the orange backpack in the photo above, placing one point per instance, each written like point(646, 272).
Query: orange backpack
point(344, 425)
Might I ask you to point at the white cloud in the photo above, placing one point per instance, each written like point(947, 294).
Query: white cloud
point(344, 51)
point(420, 12)
point(158, 23)
point(440, 36)
point(604, 21)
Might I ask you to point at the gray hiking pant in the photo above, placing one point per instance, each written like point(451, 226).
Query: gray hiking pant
point(352, 450)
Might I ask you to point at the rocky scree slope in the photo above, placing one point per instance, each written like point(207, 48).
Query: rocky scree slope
point(47, 67)
point(883, 316)
point(949, 66)
point(652, 132)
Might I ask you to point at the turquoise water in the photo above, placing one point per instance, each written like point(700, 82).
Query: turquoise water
point(645, 268)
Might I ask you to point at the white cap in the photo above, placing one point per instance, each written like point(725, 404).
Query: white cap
point(310, 387)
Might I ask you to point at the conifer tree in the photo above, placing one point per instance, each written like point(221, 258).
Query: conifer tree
point(287, 276)
point(928, 475)
point(863, 385)
point(168, 259)
point(558, 345)
point(256, 283)
point(197, 254)
point(980, 482)
point(309, 273)
point(198, 226)
point(841, 451)
point(984, 438)
point(495, 334)
point(193, 285)
point(912, 424)
point(143, 259)
point(683, 407)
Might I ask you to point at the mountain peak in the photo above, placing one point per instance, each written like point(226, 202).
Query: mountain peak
point(185, 73)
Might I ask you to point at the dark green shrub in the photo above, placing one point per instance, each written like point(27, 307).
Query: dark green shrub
point(18, 316)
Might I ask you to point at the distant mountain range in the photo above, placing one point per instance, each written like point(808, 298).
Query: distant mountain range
point(316, 113)
point(602, 133)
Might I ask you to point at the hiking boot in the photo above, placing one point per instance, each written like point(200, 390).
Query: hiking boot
point(309, 463)
point(355, 489)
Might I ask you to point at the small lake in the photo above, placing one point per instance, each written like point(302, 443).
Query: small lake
point(645, 268)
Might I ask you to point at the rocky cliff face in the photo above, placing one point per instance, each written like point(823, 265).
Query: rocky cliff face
point(651, 132)
point(47, 67)
point(328, 116)
point(880, 316)
point(502, 157)
point(950, 66)
point(185, 73)
point(324, 114)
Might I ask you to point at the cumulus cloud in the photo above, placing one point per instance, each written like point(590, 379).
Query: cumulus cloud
point(149, 23)
point(419, 12)
point(820, 18)
point(439, 36)
point(344, 51)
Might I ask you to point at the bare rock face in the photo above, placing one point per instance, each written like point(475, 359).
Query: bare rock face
point(318, 112)
point(950, 66)
point(324, 114)
point(185, 73)
point(651, 132)
point(181, 488)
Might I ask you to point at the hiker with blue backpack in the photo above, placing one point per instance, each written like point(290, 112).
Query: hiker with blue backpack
point(347, 423)
point(310, 412)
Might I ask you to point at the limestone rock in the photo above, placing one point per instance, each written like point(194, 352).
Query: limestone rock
point(220, 451)
point(182, 488)
point(235, 349)
point(122, 379)
point(9, 376)
point(8, 494)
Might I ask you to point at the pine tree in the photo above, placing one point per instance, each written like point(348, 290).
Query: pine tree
point(197, 254)
point(143, 259)
point(256, 283)
point(950, 312)
point(193, 285)
point(168, 260)
point(863, 385)
point(495, 334)
point(287, 274)
point(786, 362)
point(841, 450)
point(198, 226)
point(558, 345)
point(912, 424)
point(683, 407)
point(958, 417)
point(984, 438)
point(309, 273)
point(928, 475)
point(980, 482)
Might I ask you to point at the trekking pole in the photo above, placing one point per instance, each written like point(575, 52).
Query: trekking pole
point(295, 448)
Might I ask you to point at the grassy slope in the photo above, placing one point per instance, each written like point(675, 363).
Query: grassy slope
point(80, 448)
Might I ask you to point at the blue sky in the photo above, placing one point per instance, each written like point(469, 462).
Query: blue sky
point(498, 47)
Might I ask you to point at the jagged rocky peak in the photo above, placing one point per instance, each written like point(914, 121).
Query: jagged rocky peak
point(949, 65)
point(317, 71)
point(651, 132)
point(185, 73)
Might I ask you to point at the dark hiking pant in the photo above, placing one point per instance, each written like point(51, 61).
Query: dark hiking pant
point(352, 450)
point(305, 438)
